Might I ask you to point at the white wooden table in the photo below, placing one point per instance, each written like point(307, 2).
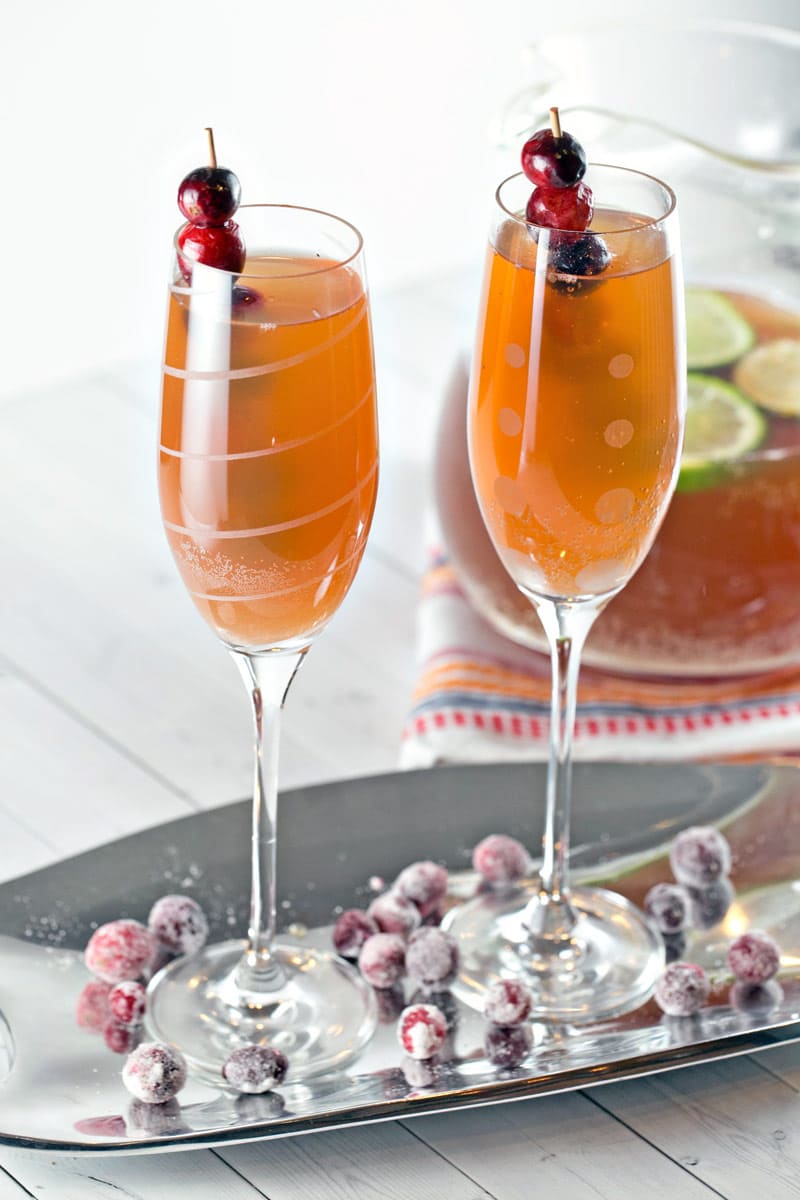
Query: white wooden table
point(119, 710)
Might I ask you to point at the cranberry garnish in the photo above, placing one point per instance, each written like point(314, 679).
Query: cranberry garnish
point(120, 950)
point(421, 1030)
point(351, 931)
point(425, 883)
point(553, 158)
point(393, 913)
point(575, 256)
point(682, 989)
point(219, 246)
point(432, 957)
point(255, 1069)
point(501, 859)
point(127, 1002)
point(561, 208)
point(121, 1039)
point(154, 1072)
point(382, 960)
point(754, 957)
point(209, 196)
point(507, 1045)
point(700, 855)
point(669, 905)
point(179, 924)
point(508, 1002)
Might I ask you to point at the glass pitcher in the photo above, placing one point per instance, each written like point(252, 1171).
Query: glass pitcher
point(714, 109)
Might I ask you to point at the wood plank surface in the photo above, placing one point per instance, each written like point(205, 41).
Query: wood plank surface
point(561, 1145)
point(732, 1125)
point(373, 1162)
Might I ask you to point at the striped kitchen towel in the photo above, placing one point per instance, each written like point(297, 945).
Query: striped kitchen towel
point(481, 697)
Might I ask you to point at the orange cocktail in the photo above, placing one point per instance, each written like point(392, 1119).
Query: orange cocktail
point(575, 432)
point(268, 456)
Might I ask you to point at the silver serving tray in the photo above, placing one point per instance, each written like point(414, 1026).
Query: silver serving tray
point(60, 1086)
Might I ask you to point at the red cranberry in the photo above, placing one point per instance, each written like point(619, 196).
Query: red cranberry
point(754, 957)
point(121, 1039)
point(668, 904)
point(700, 856)
point(561, 208)
point(382, 960)
point(351, 931)
point(392, 913)
point(421, 1030)
point(120, 950)
point(432, 957)
point(219, 246)
point(209, 195)
point(154, 1072)
point(92, 1010)
point(424, 883)
point(574, 256)
point(127, 1002)
point(179, 923)
point(682, 989)
point(501, 859)
point(508, 1002)
point(507, 1046)
point(553, 161)
point(255, 1069)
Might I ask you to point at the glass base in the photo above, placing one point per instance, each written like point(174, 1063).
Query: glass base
point(609, 965)
point(320, 1014)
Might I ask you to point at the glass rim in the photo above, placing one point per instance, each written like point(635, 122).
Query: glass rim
point(647, 223)
point(299, 208)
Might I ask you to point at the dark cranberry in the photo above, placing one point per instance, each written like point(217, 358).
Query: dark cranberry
point(219, 246)
point(390, 1001)
point(754, 957)
point(674, 946)
point(682, 989)
point(507, 1045)
point(561, 208)
point(710, 904)
point(179, 923)
point(700, 856)
point(573, 256)
point(351, 931)
point(154, 1072)
point(246, 297)
point(668, 904)
point(255, 1069)
point(755, 997)
point(121, 1038)
point(552, 161)
point(209, 196)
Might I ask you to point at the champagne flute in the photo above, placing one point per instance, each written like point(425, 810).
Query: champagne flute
point(268, 476)
point(576, 415)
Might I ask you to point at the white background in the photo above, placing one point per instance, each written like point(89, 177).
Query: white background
point(381, 112)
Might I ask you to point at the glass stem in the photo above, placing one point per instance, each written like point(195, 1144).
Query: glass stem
point(267, 678)
point(550, 918)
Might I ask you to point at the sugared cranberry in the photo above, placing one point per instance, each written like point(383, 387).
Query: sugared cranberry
point(501, 859)
point(754, 957)
point(127, 1002)
point(507, 1045)
point(255, 1069)
point(421, 1030)
point(668, 904)
point(209, 195)
point(700, 856)
point(351, 931)
point(382, 960)
point(120, 950)
point(550, 161)
point(121, 1039)
point(710, 904)
point(154, 1072)
point(92, 1011)
point(219, 246)
point(393, 913)
point(425, 884)
point(179, 923)
point(432, 957)
point(682, 989)
point(507, 1002)
point(573, 257)
point(561, 208)
point(674, 946)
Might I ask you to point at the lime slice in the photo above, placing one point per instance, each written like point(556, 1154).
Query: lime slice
point(716, 332)
point(721, 425)
point(770, 375)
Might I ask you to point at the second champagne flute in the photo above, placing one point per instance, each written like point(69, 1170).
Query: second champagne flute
point(268, 476)
point(575, 426)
